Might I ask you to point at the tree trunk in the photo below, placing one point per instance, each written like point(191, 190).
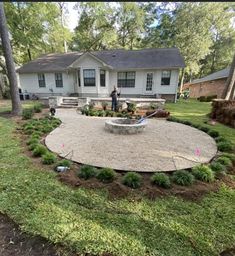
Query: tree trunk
point(230, 83)
point(29, 54)
point(15, 99)
point(182, 80)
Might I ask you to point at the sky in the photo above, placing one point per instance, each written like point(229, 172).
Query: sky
point(72, 16)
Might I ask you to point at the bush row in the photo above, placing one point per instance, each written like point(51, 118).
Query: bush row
point(205, 173)
point(223, 144)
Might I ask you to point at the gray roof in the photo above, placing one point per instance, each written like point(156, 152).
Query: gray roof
point(118, 59)
point(217, 75)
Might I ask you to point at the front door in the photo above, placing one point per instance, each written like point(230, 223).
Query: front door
point(149, 83)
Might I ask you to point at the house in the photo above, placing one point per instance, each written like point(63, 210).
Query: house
point(137, 73)
point(213, 84)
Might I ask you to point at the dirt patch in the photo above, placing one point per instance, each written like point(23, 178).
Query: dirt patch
point(14, 242)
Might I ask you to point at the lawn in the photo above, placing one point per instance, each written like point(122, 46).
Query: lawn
point(196, 112)
point(86, 221)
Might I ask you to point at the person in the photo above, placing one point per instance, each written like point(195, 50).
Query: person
point(114, 94)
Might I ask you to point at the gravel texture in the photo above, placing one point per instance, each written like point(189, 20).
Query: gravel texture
point(163, 146)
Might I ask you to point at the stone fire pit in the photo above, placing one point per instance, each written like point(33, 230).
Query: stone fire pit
point(124, 126)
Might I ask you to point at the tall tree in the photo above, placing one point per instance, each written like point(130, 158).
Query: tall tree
point(229, 91)
point(35, 28)
point(130, 24)
point(95, 30)
point(15, 99)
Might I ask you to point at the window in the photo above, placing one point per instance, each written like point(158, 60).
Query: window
point(102, 78)
point(149, 82)
point(41, 80)
point(58, 80)
point(166, 77)
point(126, 79)
point(89, 77)
point(79, 80)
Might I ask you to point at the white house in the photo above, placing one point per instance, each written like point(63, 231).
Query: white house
point(137, 73)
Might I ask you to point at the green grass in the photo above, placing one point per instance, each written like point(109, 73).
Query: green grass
point(87, 221)
point(196, 112)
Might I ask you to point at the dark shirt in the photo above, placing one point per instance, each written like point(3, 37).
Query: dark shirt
point(114, 94)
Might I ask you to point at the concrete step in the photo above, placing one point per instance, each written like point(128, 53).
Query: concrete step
point(69, 104)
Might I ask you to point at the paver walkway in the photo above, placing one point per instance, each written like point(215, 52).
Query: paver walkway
point(163, 146)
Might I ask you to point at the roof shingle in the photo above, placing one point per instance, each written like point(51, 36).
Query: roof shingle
point(118, 59)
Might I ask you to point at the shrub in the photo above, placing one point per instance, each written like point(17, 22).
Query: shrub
point(32, 141)
point(33, 146)
point(39, 150)
point(87, 172)
point(48, 158)
point(225, 161)
point(186, 122)
point(230, 156)
point(213, 133)
point(203, 173)
point(37, 108)
point(131, 107)
point(220, 139)
point(161, 179)
point(132, 179)
point(64, 162)
point(27, 113)
point(153, 106)
point(204, 129)
point(225, 146)
point(183, 178)
point(104, 105)
point(106, 175)
point(218, 168)
point(91, 105)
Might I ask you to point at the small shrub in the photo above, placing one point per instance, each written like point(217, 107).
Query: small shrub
point(32, 141)
point(132, 180)
point(37, 108)
point(27, 113)
point(91, 105)
point(33, 146)
point(106, 175)
point(87, 172)
point(203, 173)
point(218, 168)
point(230, 156)
point(161, 179)
point(204, 129)
point(39, 150)
point(225, 146)
point(186, 122)
point(183, 178)
point(48, 158)
point(153, 106)
point(213, 133)
point(225, 161)
point(64, 162)
point(104, 105)
point(220, 139)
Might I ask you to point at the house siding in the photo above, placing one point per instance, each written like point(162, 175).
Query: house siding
point(208, 88)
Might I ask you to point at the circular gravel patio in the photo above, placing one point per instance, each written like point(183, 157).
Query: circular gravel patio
point(163, 146)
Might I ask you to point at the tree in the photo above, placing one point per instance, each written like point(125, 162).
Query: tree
point(95, 30)
point(229, 91)
point(130, 20)
point(35, 28)
point(223, 37)
point(15, 99)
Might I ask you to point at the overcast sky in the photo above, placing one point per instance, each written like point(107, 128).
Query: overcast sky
point(72, 16)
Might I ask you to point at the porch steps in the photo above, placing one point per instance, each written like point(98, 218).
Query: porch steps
point(69, 102)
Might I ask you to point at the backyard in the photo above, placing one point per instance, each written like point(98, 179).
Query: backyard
point(82, 220)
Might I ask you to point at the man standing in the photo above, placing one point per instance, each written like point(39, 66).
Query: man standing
point(114, 94)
